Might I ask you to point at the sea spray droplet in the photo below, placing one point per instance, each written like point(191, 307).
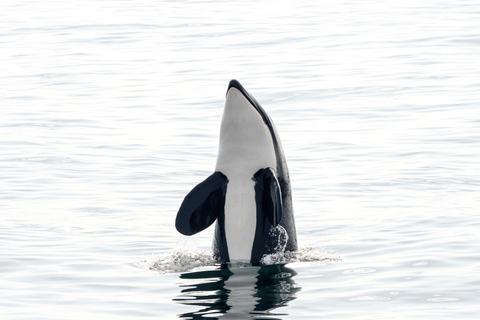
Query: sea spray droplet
point(280, 234)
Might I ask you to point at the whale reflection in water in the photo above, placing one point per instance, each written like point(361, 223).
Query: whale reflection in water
point(238, 293)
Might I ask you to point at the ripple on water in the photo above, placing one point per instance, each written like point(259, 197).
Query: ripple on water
point(442, 299)
point(369, 298)
point(359, 271)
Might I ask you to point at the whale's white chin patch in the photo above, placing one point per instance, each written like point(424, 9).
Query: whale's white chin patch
point(245, 141)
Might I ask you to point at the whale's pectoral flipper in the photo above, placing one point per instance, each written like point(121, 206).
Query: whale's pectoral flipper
point(202, 205)
point(269, 195)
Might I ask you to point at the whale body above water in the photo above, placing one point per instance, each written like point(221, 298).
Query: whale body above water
point(249, 194)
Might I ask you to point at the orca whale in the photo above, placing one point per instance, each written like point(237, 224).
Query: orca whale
point(249, 194)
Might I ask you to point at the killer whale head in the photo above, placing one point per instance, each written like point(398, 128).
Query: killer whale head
point(246, 140)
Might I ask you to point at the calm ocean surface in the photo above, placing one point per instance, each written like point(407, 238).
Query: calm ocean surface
point(110, 113)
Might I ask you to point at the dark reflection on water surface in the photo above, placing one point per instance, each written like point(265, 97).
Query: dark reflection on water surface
point(238, 293)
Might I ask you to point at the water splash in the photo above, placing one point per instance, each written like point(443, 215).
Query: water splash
point(307, 254)
point(280, 234)
point(183, 259)
point(178, 260)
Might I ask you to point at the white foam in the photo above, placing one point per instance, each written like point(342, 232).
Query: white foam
point(178, 260)
point(308, 254)
point(184, 259)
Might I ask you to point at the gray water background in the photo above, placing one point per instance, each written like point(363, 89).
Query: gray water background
point(110, 112)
